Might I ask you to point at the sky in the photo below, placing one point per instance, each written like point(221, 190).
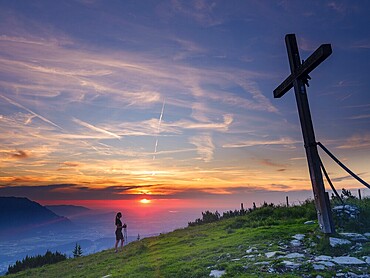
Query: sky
point(173, 100)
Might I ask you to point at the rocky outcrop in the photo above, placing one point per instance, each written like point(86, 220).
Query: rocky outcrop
point(300, 253)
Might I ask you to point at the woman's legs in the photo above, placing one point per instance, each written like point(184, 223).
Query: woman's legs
point(116, 245)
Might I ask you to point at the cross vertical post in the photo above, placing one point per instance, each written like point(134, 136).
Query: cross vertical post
point(298, 80)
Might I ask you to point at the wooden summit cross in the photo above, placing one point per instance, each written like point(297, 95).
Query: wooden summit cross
point(299, 79)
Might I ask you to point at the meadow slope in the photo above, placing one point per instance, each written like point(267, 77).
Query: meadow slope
point(267, 242)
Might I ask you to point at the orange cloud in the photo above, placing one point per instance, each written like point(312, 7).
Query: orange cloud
point(19, 155)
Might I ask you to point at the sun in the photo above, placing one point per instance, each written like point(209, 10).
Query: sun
point(145, 201)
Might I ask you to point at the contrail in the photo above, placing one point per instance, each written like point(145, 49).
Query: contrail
point(30, 111)
point(94, 128)
point(158, 129)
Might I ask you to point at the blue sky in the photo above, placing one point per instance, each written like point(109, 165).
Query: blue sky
point(173, 99)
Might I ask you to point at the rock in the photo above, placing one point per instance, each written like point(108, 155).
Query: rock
point(318, 267)
point(349, 210)
point(262, 263)
point(270, 254)
point(217, 273)
point(346, 260)
point(248, 256)
point(323, 258)
point(251, 250)
point(106, 276)
point(355, 237)
point(311, 222)
point(352, 275)
point(338, 241)
point(367, 234)
point(274, 254)
point(296, 243)
point(299, 236)
point(326, 263)
point(367, 259)
point(291, 264)
point(294, 256)
point(235, 260)
point(357, 247)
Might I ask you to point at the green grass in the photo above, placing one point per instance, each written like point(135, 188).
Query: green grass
point(195, 251)
point(182, 253)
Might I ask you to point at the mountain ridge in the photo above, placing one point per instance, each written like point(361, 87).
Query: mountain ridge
point(68, 210)
point(20, 216)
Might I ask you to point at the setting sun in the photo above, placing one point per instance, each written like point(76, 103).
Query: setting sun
point(145, 201)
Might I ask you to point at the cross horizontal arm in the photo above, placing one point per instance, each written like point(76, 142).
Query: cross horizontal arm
point(304, 69)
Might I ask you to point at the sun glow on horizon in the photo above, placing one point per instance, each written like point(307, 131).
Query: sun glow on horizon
point(145, 201)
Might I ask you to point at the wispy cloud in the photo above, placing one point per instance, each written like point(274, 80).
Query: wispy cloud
point(94, 128)
point(30, 111)
point(338, 7)
point(20, 155)
point(359, 117)
point(358, 141)
point(205, 146)
point(269, 162)
point(198, 10)
point(364, 44)
point(252, 143)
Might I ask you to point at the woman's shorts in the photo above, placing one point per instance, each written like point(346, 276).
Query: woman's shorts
point(119, 235)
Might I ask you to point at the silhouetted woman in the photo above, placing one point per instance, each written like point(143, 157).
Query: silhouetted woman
point(119, 235)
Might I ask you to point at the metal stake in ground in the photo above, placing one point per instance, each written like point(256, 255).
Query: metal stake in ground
point(299, 79)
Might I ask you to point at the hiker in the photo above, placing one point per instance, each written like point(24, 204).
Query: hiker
point(119, 235)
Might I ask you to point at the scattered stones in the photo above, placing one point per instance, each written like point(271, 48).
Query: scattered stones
point(346, 260)
point(291, 257)
point(338, 241)
point(217, 273)
point(351, 275)
point(348, 210)
point(355, 237)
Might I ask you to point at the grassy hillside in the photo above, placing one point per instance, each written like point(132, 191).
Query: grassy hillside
point(236, 245)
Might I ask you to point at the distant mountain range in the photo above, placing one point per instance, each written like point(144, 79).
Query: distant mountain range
point(21, 217)
point(69, 211)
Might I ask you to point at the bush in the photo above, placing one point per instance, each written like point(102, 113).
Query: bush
point(266, 215)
